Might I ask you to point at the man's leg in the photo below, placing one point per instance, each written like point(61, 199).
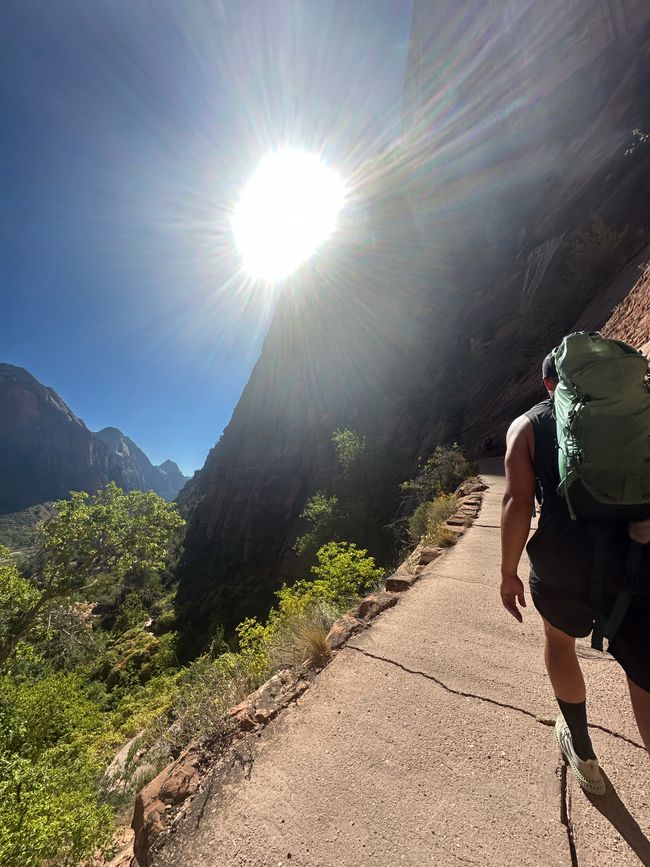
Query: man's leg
point(641, 705)
point(569, 686)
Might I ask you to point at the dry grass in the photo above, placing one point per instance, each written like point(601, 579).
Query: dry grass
point(304, 639)
point(441, 536)
point(312, 640)
point(429, 514)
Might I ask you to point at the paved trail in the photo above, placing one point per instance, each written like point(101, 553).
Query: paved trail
point(428, 740)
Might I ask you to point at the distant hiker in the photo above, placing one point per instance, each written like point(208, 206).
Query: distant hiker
point(585, 575)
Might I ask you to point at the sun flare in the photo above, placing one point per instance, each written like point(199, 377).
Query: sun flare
point(288, 208)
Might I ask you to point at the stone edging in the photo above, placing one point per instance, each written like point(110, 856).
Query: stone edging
point(159, 802)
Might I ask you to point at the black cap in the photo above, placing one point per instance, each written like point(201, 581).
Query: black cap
point(549, 370)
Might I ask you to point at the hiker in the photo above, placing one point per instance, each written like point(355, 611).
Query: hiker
point(562, 555)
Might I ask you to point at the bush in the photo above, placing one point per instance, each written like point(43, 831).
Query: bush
point(442, 473)
point(323, 514)
point(293, 630)
point(350, 448)
point(49, 762)
point(441, 536)
point(431, 515)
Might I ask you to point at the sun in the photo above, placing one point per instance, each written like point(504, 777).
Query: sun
point(288, 209)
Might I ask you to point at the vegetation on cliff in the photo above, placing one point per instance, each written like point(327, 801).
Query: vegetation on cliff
point(89, 660)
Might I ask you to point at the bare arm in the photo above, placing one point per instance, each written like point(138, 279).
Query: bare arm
point(516, 511)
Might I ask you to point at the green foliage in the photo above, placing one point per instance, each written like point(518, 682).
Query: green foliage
point(593, 258)
point(49, 809)
point(131, 614)
point(429, 516)
point(441, 536)
point(17, 595)
point(18, 530)
point(111, 533)
point(132, 658)
point(343, 573)
point(442, 473)
point(323, 514)
point(254, 642)
point(350, 448)
point(110, 538)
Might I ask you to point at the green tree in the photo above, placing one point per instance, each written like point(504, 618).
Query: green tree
point(350, 448)
point(49, 808)
point(344, 572)
point(441, 474)
point(132, 613)
point(322, 512)
point(111, 535)
point(17, 595)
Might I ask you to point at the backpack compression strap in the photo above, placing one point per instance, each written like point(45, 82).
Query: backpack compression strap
point(607, 627)
point(629, 588)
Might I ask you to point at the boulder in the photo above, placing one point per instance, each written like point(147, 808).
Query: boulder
point(400, 581)
point(428, 554)
point(471, 487)
point(170, 788)
point(243, 715)
point(343, 629)
point(374, 604)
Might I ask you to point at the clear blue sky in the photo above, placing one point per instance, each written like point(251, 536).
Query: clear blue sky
point(128, 128)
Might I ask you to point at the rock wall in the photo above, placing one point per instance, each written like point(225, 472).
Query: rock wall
point(429, 325)
point(46, 451)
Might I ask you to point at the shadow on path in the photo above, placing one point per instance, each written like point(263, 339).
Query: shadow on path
point(491, 466)
point(614, 810)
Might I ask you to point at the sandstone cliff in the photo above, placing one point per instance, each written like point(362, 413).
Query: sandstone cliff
point(46, 451)
point(428, 323)
point(138, 473)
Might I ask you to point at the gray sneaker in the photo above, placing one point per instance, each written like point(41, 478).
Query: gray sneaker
point(586, 771)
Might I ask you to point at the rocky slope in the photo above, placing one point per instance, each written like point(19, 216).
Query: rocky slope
point(456, 268)
point(138, 473)
point(46, 451)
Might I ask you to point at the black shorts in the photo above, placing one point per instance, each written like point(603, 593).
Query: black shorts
point(570, 613)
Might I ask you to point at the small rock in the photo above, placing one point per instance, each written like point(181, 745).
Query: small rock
point(428, 554)
point(374, 604)
point(343, 629)
point(400, 581)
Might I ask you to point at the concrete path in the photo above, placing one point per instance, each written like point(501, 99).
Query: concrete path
point(429, 740)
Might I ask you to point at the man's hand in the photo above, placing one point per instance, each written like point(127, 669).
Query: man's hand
point(512, 590)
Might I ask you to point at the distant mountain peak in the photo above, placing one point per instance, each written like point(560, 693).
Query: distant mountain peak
point(46, 451)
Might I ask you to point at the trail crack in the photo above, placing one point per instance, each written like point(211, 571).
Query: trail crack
point(450, 689)
point(565, 813)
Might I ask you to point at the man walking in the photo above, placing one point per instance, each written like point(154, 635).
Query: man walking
point(561, 554)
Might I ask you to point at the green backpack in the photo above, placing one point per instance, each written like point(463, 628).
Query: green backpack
point(602, 412)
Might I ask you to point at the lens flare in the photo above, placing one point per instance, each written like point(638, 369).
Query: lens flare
point(288, 209)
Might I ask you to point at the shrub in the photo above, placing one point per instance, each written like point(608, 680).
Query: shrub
point(430, 515)
point(441, 536)
point(131, 614)
point(322, 512)
point(350, 447)
point(441, 473)
point(304, 638)
point(343, 573)
point(49, 809)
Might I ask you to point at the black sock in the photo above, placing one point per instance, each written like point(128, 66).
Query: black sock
point(576, 718)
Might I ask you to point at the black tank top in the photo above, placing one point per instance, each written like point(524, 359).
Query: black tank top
point(542, 419)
